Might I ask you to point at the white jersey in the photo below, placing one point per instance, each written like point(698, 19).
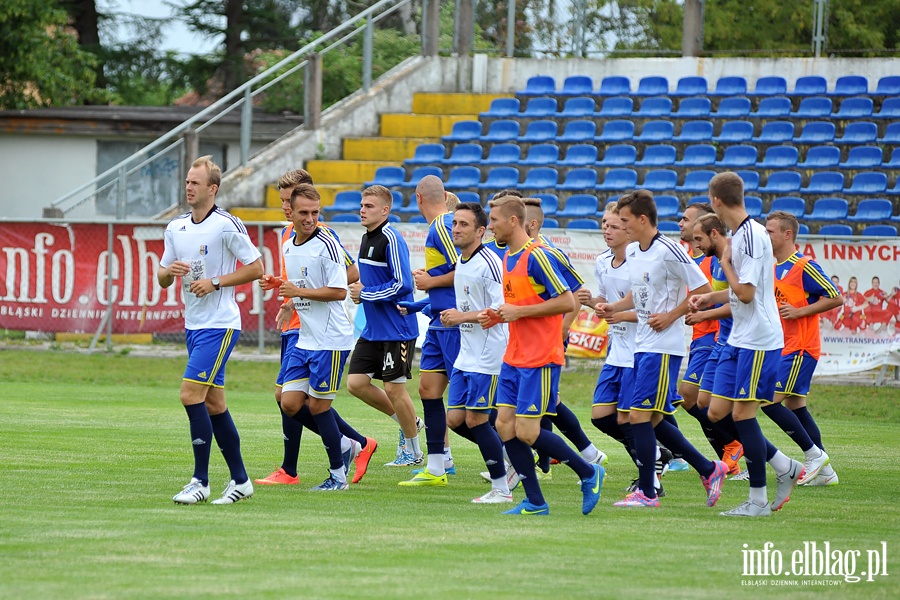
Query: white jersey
point(757, 325)
point(212, 248)
point(615, 284)
point(316, 263)
point(478, 284)
point(660, 277)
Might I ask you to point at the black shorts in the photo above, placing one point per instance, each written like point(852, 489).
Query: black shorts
point(387, 361)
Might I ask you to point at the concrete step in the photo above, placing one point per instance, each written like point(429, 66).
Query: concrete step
point(405, 125)
point(383, 148)
point(345, 171)
point(453, 104)
point(258, 214)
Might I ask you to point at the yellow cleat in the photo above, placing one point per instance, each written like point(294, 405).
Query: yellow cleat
point(426, 478)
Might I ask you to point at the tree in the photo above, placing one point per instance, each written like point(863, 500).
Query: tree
point(85, 19)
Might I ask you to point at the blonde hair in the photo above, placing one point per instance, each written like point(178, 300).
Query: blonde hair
point(213, 171)
point(380, 192)
point(294, 178)
point(510, 206)
point(452, 201)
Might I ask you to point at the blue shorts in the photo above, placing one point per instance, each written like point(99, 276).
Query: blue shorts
point(795, 374)
point(472, 391)
point(208, 351)
point(316, 373)
point(288, 343)
point(701, 348)
point(709, 369)
point(655, 382)
point(439, 351)
point(615, 387)
point(746, 375)
point(533, 392)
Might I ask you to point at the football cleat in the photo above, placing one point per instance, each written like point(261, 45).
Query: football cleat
point(662, 463)
point(235, 492)
point(590, 489)
point(639, 500)
point(350, 455)
point(749, 509)
point(331, 485)
point(742, 476)
point(278, 477)
point(733, 453)
point(193, 493)
point(494, 496)
point(362, 460)
point(813, 466)
point(679, 464)
point(425, 478)
point(451, 470)
point(826, 476)
point(527, 508)
point(786, 484)
point(713, 483)
point(601, 459)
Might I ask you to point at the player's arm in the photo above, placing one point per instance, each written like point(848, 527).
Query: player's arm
point(352, 273)
point(815, 283)
point(662, 321)
point(607, 309)
point(558, 305)
point(169, 268)
point(713, 314)
point(451, 317)
point(400, 284)
point(625, 316)
point(425, 282)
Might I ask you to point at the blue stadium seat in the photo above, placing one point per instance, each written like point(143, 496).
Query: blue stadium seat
point(656, 131)
point(502, 154)
point(779, 157)
point(698, 155)
point(738, 156)
point(824, 182)
point(502, 131)
point(867, 183)
point(579, 180)
point(392, 218)
point(580, 155)
point(388, 177)
point(750, 179)
point(397, 199)
point(427, 154)
point(732, 108)
point(577, 85)
point(894, 161)
point(464, 131)
point(782, 182)
point(815, 107)
point(578, 131)
point(540, 178)
point(420, 172)
point(863, 157)
point(854, 108)
point(660, 180)
point(417, 219)
point(770, 86)
point(821, 157)
point(890, 109)
point(895, 191)
point(549, 204)
point(828, 209)
point(344, 218)
point(754, 205)
point(619, 180)
point(693, 108)
point(691, 86)
point(660, 155)
point(541, 155)
point(851, 85)
point(811, 85)
point(653, 86)
point(792, 205)
point(616, 131)
point(872, 210)
point(668, 227)
point(859, 132)
point(891, 135)
point(803, 229)
point(773, 108)
point(539, 108)
point(616, 107)
point(540, 85)
point(583, 224)
point(468, 197)
point(345, 201)
point(880, 231)
point(696, 181)
point(577, 108)
point(464, 154)
point(730, 86)
point(836, 230)
point(667, 206)
point(409, 208)
point(653, 108)
point(698, 200)
point(695, 131)
point(500, 178)
point(816, 132)
point(735, 132)
point(888, 86)
point(539, 131)
point(579, 205)
point(778, 132)
point(501, 108)
point(551, 223)
point(462, 178)
point(619, 155)
point(614, 86)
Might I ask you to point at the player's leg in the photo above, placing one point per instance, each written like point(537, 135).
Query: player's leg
point(291, 429)
point(604, 415)
point(568, 425)
point(480, 402)
point(396, 371)
point(794, 396)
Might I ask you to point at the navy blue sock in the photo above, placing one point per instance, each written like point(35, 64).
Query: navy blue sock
point(628, 432)
point(610, 426)
point(568, 425)
point(523, 462)
point(554, 445)
point(201, 439)
point(675, 441)
point(346, 429)
point(809, 424)
point(491, 448)
point(230, 444)
point(727, 425)
point(709, 429)
point(435, 418)
point(331, 438)
point(463, 430)
point(645, 457)
point(305, 418)
point(755, 450)
point(671, 420)
point(293, 431)
point(543, 461)
point(789, 424)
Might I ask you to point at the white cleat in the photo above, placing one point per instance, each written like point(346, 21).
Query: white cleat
point(193, 493)
point(494, 496)
point(749, 509)
point(812, 467)
point(826, 476)
point(786, 484)
point(235, 493)
point(742, 476)
point(601, 459)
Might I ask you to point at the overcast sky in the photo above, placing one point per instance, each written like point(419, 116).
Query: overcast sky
point(175, 35)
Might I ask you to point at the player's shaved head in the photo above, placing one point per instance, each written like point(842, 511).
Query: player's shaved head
point(431, 190)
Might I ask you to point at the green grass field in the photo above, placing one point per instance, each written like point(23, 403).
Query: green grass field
point(93, 447)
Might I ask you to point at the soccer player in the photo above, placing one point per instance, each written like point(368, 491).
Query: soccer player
point(833, 316)
point(478, 286)
point(499, 248)
point(202, 247)
point(748, 365)
point(661, 275)
point(803, 292)
point(876, 315)
point(385, 349)
point(853, 316)
point(535, 300)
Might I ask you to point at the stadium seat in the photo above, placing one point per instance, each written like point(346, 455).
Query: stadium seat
point(891, 135)
point(579, 180)
point(577, 132)
point(850, 85)
point(732, 108)
point(696, 181)
point(782, 182)
point(462, 178)
point(468, 197)
point(502, 131)
point(540, 178)
point(816, 107)
point(730, 86)
point(779, 157)
point(580, 155)
point(388, 177)
point(503, 154)
point(693, 108)
point(880, 231)
point(867, 183)
point(770, 86)
point(821, 157)
point(735, 132)
point(863, 157)
point(551, 223)
point(616, 107)
point(653, 108)
point(541, 155)
point(698, 200)
point(549, 204)
point(577, 85)
point(501, 108)
point(420, 172)
point(792, 205)
point(344, 218)
point(393, 218)
point(614, 86)
point(660, 155)
point(754, 205)
point(859, 132)
point(579, 205)
point(803, 229)
point(691, 86)
point(698, 155)
point(619, 155)
point(345, 201)
point(695, 131)
point(660, 180)
point(854, 108)
point(619, 180)
point(894, 161)
point(427, 154)
point(750, 179)
point(778, 132)
point(888, 86)
point(583, 224)
point(811, 85)
point(816, 132)
point(895, 191)
point(577, 108)
point(500, 178)
point(539, 131)
point(417, 219)
point(667, 206)
point(656, 131)
point(890, 109)
point(835, 229)
point(539, 108)
point(540, 85)
point(872, 210)
point(773, 108)
point(739, 156)
point(616, 131)
point(465, 154)
point(828, 209)
point(668, 227)
point(653, 86)
point(464, 131)
point(410, 207)
point(824, 182)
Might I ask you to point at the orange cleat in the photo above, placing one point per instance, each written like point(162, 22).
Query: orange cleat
point(733, 453)
point(362, 461)
point(278, 477)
